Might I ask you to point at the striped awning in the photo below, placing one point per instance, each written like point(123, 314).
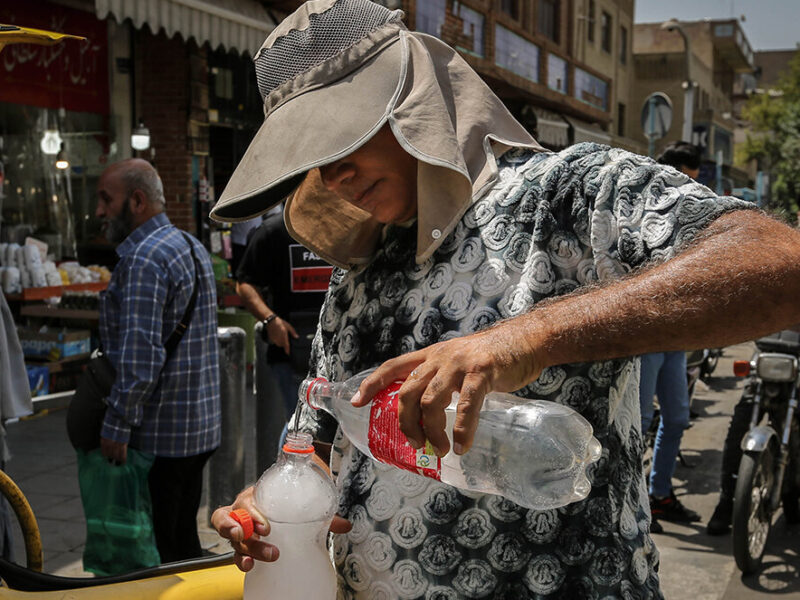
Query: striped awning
point(238, 25)
point(587, 132)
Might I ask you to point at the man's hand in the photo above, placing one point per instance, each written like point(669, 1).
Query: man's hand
point(501, 358)
point(250, 550)
point(116, 452)
point(280, 333)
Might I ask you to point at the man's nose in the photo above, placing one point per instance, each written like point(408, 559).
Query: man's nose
point(99, 212)
point(336, 174)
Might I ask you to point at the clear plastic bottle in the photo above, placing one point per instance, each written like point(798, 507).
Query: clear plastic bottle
point(532, 452)
point(298, 498)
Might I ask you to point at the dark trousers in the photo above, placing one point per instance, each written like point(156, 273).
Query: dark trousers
point(732, 451)
point(175, 488)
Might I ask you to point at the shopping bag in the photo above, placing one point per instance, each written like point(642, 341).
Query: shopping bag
point(119, 516)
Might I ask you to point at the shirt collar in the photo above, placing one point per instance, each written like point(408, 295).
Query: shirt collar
point(141, 232)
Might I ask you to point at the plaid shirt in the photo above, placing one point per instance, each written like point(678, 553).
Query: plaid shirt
point(174, 409)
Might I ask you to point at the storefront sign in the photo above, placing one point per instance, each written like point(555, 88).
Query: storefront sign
point(72, 74)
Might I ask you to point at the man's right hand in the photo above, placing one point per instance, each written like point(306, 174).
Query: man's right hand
point(280, 333)
point(248, 551)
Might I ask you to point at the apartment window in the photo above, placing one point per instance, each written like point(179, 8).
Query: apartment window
point(473, 27)
point(515, 53)
point(547, 19)
point(557, 73)
point(623, 46)
point(591, 89)
point(621, 119)
point(590, 21)
point(511, 8)
point(605, 32)
point(430, 16)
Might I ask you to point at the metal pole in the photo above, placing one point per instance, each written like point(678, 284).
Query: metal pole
point(270, 413)
point(226, 466)
point(651, 134)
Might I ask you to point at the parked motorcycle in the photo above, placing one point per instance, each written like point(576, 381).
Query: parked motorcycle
point(710, 361)
point(768, 471)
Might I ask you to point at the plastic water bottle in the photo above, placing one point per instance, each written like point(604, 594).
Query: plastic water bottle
point(532, 452)
point(298, 498)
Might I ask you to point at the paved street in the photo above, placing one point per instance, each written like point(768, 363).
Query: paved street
point(694, 565)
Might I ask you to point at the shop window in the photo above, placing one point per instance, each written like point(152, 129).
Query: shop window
point(621, 119)
point(591, 89)
point(623, 46)
point(548, 19)
point(557, 73)
point(515, 53)
point(605, 32)
point(52, 204)
point(430, 16)
point(473, 27)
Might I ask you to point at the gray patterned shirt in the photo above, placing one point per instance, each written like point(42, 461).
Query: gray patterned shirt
point(551, 223)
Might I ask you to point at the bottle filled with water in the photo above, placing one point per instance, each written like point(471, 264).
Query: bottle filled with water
point(298, 498)
point(532, 452)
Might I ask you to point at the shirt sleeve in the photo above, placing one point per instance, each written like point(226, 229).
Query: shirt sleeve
point(252, 268)
point(141, 354)
point(639, 211)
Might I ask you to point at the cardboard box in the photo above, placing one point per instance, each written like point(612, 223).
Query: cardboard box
point(54, 344)
point(39, 379)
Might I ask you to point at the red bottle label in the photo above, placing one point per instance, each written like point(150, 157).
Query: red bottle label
point(389, 445)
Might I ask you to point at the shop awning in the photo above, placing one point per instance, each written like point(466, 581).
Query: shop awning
point(552, 129)
point(583, 131)
point(238, 25)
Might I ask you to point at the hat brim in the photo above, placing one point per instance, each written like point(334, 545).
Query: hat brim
point(310, 130)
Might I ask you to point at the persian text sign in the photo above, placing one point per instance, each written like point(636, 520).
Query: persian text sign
point(72, 74)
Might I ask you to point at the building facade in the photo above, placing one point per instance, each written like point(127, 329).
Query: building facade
point(563, 67)
point(719, 54)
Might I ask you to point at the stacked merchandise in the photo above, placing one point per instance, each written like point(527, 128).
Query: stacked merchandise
point(24, 267)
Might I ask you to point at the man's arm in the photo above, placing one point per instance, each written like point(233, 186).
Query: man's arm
point(279, 331)
point(738, 281)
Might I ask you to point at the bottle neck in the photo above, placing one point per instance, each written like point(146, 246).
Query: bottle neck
point(318, 393)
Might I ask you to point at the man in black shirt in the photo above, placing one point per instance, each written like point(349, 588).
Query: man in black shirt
point(283, 285)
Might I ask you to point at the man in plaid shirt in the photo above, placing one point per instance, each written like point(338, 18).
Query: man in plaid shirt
point(166, 406)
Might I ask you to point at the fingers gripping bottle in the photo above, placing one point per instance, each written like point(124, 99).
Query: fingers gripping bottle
point(532, 452)
point(298, 498)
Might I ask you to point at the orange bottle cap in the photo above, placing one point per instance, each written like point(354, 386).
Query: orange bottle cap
point(244, 519)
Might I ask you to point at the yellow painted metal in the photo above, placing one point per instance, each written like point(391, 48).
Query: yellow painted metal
point(12, 34)
point(217, 583)
point(27, 521)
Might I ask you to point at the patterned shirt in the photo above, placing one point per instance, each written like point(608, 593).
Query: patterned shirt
point(551, 223)
point(170, 409)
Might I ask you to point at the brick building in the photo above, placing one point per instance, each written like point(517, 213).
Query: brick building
point(563, 67)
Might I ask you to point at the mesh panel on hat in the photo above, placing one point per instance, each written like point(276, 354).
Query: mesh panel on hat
point(328, 34)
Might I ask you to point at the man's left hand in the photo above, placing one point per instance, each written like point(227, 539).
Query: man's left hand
point(502, 358)
point(115, 452)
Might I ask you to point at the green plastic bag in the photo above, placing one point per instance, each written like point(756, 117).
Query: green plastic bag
point(119, 516)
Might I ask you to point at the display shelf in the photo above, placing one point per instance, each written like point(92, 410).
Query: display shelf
point(57, 366)
point(40, 293)
point(42, 310)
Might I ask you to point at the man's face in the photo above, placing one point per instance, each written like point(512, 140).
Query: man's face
point(113, 207)
point(380, 178)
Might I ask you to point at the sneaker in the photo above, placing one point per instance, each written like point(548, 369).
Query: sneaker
point(720, 522)
point(671, 509)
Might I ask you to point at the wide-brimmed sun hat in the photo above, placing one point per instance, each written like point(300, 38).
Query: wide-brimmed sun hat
point(331, 75)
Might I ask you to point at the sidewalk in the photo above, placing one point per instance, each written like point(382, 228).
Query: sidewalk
point(44, 466)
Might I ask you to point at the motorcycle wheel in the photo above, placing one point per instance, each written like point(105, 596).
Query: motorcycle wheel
point(752, 517)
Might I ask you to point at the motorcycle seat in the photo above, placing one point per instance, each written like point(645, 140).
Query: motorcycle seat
point(23, 579)
point(786, 341)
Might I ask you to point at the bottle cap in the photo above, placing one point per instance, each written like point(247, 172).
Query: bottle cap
point(244, 519)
